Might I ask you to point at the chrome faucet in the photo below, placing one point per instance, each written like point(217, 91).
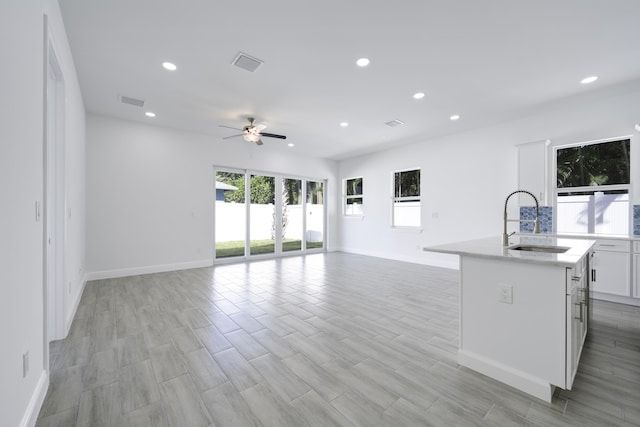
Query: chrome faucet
point(536, 226)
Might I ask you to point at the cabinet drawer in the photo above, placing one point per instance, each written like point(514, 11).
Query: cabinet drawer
point(613, 245)
point(636, 246)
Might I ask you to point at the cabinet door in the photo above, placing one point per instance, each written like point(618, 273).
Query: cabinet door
point(636, 275)
point(611, 273)
point(572, 337)
point(576, 323)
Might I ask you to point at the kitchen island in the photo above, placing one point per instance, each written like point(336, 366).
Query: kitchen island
point(523, 309)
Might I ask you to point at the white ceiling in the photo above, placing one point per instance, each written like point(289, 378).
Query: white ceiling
point(486, 60)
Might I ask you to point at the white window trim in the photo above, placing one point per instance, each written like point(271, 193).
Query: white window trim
point(346, 197)
point(405, 228)
point(594, 188)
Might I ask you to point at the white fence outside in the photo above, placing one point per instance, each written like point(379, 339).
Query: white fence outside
point(406, 214)
point(598, 213)
point(230, 222)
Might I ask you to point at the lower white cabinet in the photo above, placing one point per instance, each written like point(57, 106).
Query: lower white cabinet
point(577, 315)
point(636, 270)
point(611, 267)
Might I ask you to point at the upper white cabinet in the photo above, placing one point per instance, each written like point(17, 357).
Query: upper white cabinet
point(533, 170)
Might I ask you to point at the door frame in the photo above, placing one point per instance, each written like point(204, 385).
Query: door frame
point(54, 195)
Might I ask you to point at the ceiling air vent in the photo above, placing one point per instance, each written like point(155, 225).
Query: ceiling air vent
point(247, 62)
point(132, 101)
point(394, 123)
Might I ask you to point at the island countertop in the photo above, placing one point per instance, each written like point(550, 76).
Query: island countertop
point(491, 247)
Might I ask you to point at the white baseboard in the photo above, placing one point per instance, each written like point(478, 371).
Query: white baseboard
point(517, 379)
point(615, 298)
point(72, 314)
point(35, 403)
point(135, 271)
point(450, 262)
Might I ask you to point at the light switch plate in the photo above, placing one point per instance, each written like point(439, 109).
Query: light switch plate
point(506, 294)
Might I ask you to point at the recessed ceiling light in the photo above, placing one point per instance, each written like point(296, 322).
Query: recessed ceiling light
point(454, 117)
point(150, 114)
point(418, 95)
point(344, 124)
point(169, 66)
point(291, 144)
point(588, 80)
point(638, 127)
point(363, 62)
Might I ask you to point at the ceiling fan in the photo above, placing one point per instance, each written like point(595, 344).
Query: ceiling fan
point(253, 132)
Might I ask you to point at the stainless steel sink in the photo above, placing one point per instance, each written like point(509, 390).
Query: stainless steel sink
point(540, 248)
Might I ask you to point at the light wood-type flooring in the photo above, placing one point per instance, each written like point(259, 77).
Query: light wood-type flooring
point(319, 340)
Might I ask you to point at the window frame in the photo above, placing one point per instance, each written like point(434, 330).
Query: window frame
point(591, 188)
point(399, 199)
point(346, 197)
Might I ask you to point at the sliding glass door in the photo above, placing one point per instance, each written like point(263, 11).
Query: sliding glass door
point(315, 217)
point(230, 214)
point(291, 217)
point(262, 215)
point(259, 215)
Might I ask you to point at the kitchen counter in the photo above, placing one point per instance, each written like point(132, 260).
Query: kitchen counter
point(491, 247)
point(523, 314)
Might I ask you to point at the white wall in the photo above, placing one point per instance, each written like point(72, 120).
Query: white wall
point(466, 176)
point(150, 193)
point(21, 186)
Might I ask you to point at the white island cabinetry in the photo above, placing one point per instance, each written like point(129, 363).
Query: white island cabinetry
point(523, 314)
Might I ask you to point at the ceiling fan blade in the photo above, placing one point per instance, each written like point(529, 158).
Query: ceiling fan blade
point(233, 136)
point(259, 142)
point(272, 135)
point(229, 127)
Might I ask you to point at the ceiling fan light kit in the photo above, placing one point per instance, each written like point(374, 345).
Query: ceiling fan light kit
point(253, 132)
point(251, 137)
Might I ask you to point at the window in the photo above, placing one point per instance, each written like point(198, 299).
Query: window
point(353, 197)
point(592, 187)
point(315, 218)
point(406, 199)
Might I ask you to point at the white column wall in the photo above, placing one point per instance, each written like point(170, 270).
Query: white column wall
point(150, 193)
point(22, 41)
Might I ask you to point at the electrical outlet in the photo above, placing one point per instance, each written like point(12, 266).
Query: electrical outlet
point(25, 364)
point(506, 294)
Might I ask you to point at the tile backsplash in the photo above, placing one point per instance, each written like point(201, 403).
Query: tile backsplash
point(546, 219)
point(636, 220)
